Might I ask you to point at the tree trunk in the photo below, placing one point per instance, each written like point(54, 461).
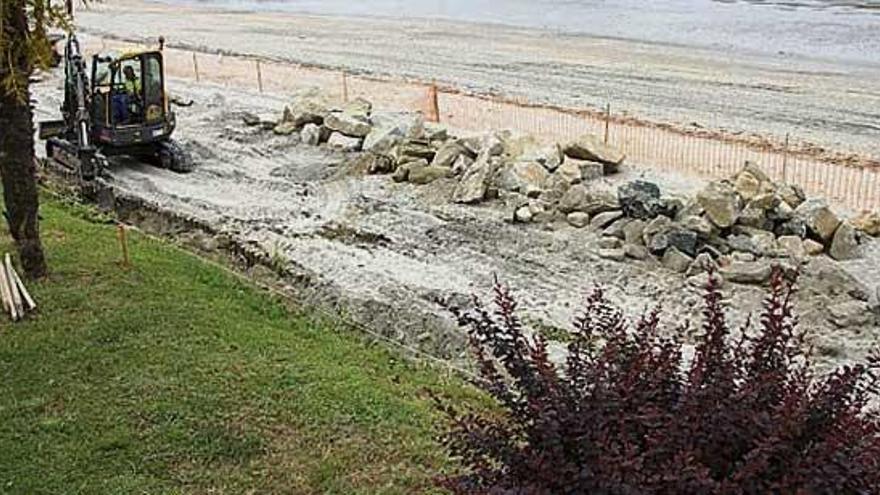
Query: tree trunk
point(17, 153)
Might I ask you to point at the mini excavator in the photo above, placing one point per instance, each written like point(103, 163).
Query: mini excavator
point(121, 107)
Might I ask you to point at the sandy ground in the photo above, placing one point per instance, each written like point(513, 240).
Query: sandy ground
point(397, 255)
point(833, 104)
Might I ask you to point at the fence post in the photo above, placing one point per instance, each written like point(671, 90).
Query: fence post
point(123, 244)
point(196, 66)
point(607, 120)
point(785, 159)
point(259, 76)
point(344, 86)
point(434, 110)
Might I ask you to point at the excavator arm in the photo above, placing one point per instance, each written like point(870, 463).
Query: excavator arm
point(69, 141)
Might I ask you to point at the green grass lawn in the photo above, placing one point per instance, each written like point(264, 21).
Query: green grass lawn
point(173, 376)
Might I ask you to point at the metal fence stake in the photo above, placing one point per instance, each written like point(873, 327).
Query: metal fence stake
point(607, 120)
point(785, 160)
point(196, 66)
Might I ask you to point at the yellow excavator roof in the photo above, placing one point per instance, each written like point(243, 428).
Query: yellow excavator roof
point(116, 56)
point(137, 53)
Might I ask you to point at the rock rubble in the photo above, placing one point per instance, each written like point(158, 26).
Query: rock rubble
point(740, 226)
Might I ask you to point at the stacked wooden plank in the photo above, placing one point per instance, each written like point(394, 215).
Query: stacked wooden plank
point(16, 298)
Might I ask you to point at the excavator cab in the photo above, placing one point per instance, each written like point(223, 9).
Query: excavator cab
point(120, 107)
point(129, 102)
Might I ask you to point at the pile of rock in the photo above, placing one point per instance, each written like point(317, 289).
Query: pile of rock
point(317, 122)
point(484, 167)
point(529, 174)
point(740, 226)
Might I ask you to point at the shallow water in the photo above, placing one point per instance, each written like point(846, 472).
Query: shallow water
point(826, 29)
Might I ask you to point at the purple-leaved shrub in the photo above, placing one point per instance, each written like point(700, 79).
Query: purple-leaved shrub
point(625, 413)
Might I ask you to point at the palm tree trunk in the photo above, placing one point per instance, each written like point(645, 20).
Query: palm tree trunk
point(17, 153)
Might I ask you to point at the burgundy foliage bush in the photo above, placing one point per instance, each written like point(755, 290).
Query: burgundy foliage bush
point(627, 414)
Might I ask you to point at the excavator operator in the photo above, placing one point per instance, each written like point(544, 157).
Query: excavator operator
point(127, 104)
point(132, 84)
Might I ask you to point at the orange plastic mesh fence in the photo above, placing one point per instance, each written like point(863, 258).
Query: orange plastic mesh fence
point(655, 146)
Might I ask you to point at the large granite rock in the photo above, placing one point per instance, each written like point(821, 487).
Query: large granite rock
point(676, 261)
point(576, 198)
point(641, 199)
point(425, 174)
point(462, 163)
point(754, 217)
point(617, 228)
point(591, 148)
point(657, 243)
point(632, 232)
point(307, 107)
point(284, 128)
point(590, 171)
point(752, 181)
point(570, 172)
point(311, 134)
point(766, 201)
point(555, 190)
point(415, 148)
point(475, 180)
point(389, 130)
point(683, 240)
point(657, 225)
point(523, 214)
point(698, 224)
point(636, 251)
point(795, 226)
point(868, 222)
point(344, 143)
point(592, 201)
point(721, 203)
point(604, 219)
point(792, 246)
point(845, 244)
point(529, 178)
point(742, 243)
point(747, 185)
point(374, 163)
point(550, 156)
point(792, 194)
point(813, 248)
point(818, 218)
point(756, 241)
point(359, 108)
point(747, 272)
point(491, 144)
point(609, 243)
point(448, 153)
point(578, 219)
